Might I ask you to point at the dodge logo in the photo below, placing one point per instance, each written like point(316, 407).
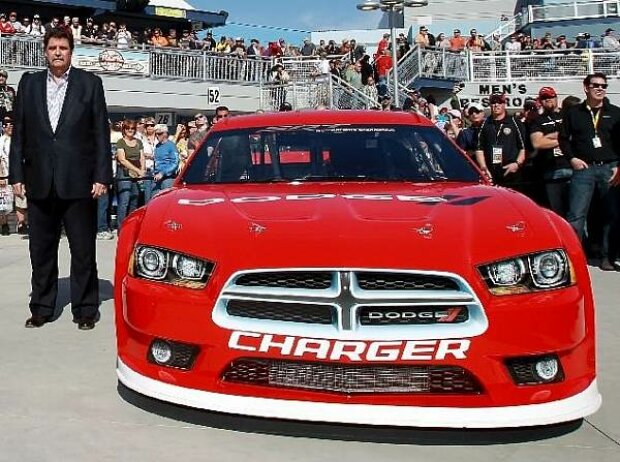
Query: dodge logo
point(448, 315)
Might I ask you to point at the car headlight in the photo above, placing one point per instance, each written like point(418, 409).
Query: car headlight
point(163, 265)
point(529, 273)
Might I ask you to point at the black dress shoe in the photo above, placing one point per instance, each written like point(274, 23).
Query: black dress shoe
point(86, 324)
point(37, 321)
point(607, 265)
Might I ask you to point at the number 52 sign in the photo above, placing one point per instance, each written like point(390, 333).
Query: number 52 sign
point(213, 96)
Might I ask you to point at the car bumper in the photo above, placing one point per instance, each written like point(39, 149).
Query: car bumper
point(575, 407)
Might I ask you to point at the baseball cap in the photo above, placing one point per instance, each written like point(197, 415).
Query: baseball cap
point(497, 98)
point(199, 116)
point(457, 31)
point(424, 28)
point(473, 31)
point(4, 72)
point(7, 120)
point(474, 107)
point(455, 113)
point(547, 92)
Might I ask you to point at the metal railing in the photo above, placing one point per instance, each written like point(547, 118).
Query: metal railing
point(203, 66)
point(433, 64)
point(542, 65)
point(21, 52)
point(409, 66)
point(301, 68)
point(326, 91)
point(575, 10)
point(443, 64)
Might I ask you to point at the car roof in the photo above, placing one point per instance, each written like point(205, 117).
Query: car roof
point(330, 117)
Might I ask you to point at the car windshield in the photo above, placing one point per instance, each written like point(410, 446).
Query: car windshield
point(329, 153)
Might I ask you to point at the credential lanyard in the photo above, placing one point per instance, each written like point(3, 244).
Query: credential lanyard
point(595, 119)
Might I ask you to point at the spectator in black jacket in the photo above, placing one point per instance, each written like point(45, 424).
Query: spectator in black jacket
point(590, 140)
point(500, 153)
point(550, 163)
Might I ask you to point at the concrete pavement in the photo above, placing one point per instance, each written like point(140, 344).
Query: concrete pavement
point(59, 400)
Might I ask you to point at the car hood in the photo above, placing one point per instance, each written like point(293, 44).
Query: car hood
point(378, 225)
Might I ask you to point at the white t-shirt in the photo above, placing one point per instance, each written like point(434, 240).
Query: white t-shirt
point(5, 147)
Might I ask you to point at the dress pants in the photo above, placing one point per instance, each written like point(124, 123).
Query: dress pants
point(79, 217)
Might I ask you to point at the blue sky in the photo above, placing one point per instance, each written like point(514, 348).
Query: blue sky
point(305, 15)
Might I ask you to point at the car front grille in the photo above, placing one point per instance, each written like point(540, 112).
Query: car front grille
point(313, 280)
point(404, 281)
point(349, 379)
point(323, 302)
point(277, 311)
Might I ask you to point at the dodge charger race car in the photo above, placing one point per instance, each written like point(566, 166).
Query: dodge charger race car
point(353, 267)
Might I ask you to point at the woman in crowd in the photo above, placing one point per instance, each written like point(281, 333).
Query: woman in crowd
point(130, 165)
point(442, 42)
point(149, 140)
point(180, 140)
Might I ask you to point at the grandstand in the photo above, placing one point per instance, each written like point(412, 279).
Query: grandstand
point(171, 83)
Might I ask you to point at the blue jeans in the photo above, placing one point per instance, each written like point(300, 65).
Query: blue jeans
point(127, 196)
point(102, 213)
point(583, 184)
point(164, 183)
point(147, 187)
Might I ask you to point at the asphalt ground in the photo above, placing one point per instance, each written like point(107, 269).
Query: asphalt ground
point(60, 400)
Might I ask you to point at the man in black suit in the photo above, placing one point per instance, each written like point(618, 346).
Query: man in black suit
point(60, 158)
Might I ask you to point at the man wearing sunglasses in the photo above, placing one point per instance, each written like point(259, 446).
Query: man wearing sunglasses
point(589, 138)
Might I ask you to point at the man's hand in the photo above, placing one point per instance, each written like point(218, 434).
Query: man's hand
point(512, 167)
point(19, 189)
point(578, 164)
point(487, 173)
point(98, 190)
point(615, 177)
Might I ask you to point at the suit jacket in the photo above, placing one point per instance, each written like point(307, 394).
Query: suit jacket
point(74, 156)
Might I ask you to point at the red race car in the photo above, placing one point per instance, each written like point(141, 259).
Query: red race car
point(353, 266)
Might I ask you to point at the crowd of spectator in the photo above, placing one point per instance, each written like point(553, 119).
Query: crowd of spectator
point(146, 158)
point(119, 35)
point(476, 41)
